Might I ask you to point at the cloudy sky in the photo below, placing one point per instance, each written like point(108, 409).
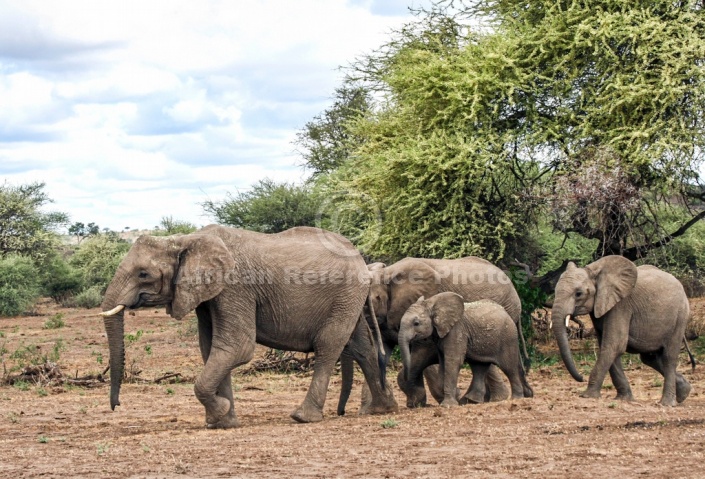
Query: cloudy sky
point(134, 110)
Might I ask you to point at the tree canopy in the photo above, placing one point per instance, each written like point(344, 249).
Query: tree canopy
point(588, 113)
point(26, 229)
point(269, 207)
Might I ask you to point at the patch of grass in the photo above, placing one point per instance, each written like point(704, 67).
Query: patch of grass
point(612, 405)
point(42, 392)
point(148, 349)
point(389, 423)
point(55, 322)
point(133, 338)
point(21, 385)
point(170, 391)
point(657, 383)
point(14, 418)
point(43, 439)
point(101, 448)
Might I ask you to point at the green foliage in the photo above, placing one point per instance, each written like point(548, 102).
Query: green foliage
point(98, 258)
point(59, 280)
point(89, 298)
point(55, 322)
point(19, 285)
point(326, 140)
point(171, 226)
point(81, 231)
point(389, 423)
point(269, 207)
point(24, 228)
point(588, 114)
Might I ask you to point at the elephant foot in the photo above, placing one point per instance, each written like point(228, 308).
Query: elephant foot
point(682, 391)
point(306, 414)
point(625, 397)
point(450, 402)
point(220, 408)
point(227, 422)
point(668, 402)
point(474, 398)
point(498, 393)
point(589, 393)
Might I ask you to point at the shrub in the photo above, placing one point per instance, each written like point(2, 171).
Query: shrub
point(59, 280)
point(97, 259)
point(89, 298)
point(19, 285)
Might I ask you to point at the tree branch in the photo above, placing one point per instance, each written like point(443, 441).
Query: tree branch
point(636, 252)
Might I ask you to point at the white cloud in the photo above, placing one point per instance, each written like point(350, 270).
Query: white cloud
point(135, 110)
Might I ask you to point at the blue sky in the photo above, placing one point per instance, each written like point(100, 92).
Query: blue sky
point(130, 111)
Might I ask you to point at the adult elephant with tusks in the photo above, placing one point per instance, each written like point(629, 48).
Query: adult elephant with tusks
point(300, 290)
point(636, 310)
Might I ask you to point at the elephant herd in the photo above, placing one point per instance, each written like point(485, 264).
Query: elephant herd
point(309, 290)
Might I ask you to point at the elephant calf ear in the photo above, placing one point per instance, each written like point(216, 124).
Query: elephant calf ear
point(446, 311)
point(205, 264)
point(615, 277)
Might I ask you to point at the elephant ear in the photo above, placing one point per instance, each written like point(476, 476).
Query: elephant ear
point(408, 280)
point(446, 310)
point(203, 267)
point(615, 278)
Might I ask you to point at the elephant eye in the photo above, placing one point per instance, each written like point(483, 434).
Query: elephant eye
point(578, 294)
point(417, 322)
point(143, 275)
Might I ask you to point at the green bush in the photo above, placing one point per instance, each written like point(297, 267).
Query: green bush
point(89, 298)
point(19, 285)
point(97, 259)
point(59, 280)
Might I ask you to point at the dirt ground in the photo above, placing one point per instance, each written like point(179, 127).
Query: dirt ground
point(158, 431)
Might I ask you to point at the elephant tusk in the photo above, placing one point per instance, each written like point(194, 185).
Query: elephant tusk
point(113, 311)
point(567, 320)
point(550, 324)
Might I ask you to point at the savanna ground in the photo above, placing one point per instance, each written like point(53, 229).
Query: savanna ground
point(52, 430)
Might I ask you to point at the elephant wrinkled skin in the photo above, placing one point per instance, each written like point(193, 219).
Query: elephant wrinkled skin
point(635, 310)
point(396, 287)
point(301, 290)
point(480, 333)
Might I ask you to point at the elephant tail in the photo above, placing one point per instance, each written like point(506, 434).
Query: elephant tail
point(525, 358)
point(690, 355)
point(346, 371)
point(381, 356)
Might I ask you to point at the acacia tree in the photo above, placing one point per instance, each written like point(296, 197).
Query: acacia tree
point(591, 112)
point(24, 228)
point(326, 141)
point(269, 207)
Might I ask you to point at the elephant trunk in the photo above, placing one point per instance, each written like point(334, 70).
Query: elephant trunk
point(113, 319)
point(115, 329)
point(404, 340)
point(559, 317)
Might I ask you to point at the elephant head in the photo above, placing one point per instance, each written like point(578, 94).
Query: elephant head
point(594, 289)
point(394, 288)
point(180, 272)
point(438, 313)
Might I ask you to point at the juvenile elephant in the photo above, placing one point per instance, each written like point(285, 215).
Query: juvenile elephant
point(480, 333)
point(395, 287)
point(300, 290)
point(636, 310)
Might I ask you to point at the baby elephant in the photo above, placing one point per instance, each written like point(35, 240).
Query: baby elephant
point(479, 333)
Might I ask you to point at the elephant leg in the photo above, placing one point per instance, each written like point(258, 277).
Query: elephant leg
point(327, 347)
point(477, 389)
point(496, 387)
point(682, 386)
point(434, 381)
point(423, 354)
point(366, 396)
point(363, 348)
point(213, 387)
point(620, 381)
point(613, 343)
point(346, 373)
